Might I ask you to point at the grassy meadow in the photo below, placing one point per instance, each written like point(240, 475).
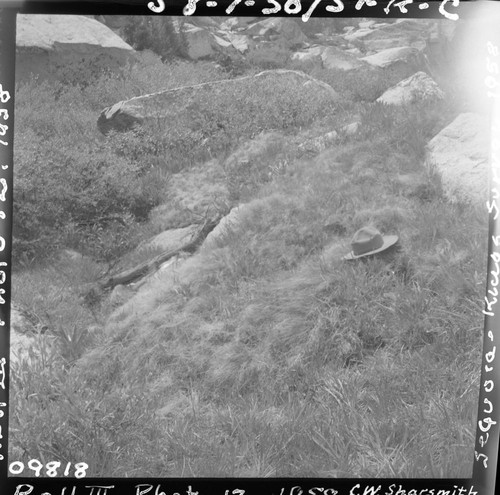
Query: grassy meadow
point(265, 354)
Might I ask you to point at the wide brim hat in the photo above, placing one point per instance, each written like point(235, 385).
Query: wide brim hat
point(367, 241)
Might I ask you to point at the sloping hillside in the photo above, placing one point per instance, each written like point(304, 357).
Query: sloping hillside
point(250, 348)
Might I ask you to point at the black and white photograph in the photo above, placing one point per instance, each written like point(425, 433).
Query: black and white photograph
point(248, 247)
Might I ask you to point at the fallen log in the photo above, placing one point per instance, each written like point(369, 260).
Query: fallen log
point(150, 266)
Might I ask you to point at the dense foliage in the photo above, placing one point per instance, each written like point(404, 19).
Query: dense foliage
point(72, 183)
point(157, 34)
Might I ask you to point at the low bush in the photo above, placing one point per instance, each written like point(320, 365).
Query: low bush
point(76, 189)
point(147, 74)
point(271, 57)
point(157, 34)
point(364, 84)
point(218, 118)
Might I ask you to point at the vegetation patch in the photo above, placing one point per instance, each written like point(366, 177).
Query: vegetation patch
point(264, 352)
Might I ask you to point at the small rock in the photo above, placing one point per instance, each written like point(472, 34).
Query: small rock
point(311, 55)
point(419, 87)
point(241, 42)
point(334, 58)
point(320, 143)
point(351, 129)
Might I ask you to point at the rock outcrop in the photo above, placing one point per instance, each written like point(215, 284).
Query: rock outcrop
point(240, 42)
point(206, 37)
point(277, 28)
point(417, 88)
point(392, 56)
point(199, 41)
point(376, 37)
point(126, 114)
point(459, 154)
point(47, 44)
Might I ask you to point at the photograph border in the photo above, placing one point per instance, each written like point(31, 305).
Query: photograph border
point(488, 421)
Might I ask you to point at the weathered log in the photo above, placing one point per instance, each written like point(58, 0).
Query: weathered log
point(150, 266)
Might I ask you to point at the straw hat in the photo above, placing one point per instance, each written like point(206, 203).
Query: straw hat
point(367, 241)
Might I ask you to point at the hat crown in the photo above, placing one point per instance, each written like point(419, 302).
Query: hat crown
point(366, 240)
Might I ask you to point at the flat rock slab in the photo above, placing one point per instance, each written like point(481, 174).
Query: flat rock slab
point(460, 154)
point(382, 36)
point(391, 56)
point(288, 30)
point(126, 114)
point(52, 32)
point(46, 43)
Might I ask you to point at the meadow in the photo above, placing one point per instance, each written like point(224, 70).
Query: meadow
point(269, 355)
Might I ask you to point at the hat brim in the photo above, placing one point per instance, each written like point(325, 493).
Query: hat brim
point(389, 240)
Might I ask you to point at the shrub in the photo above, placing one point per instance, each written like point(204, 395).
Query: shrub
point(268, 57)
point(251, 165)
point(70, 182)
point(83, 73)
point(147, 75)
point(364, 84)
point(156, 33)
point(234, 66)
point(408, 128)
point(73, 186)
point(218, 117)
